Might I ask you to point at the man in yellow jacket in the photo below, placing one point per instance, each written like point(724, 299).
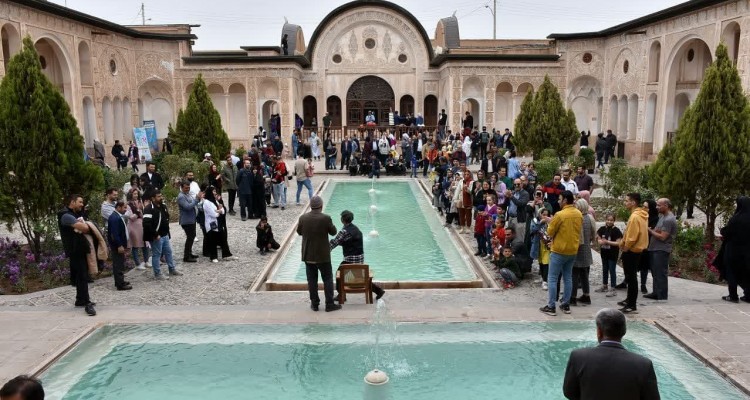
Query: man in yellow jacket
point(634, 241)
point(565, 231)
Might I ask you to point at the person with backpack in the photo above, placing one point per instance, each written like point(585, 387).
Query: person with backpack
point(484, 140)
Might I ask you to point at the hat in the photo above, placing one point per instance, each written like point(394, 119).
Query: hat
point(207, 155)
point(316, 203)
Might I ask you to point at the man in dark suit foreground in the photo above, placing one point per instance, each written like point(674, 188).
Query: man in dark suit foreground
point(315, 227)
point(609, 371)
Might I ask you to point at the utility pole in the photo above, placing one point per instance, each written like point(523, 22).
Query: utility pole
point(143, 14)
point(493, 11)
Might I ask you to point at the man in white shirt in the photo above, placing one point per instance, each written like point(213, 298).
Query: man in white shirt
point(569, 184)
point(194, 187)
point(108, 205)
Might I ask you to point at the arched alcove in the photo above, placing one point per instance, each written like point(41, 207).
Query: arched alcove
point(406, 105)
point(370, 93)
point(155, 103)
point(686, 68)
point(654, 62)
point(238, 118)
point(127, 119)
point(430, 110)
point(11, 43)
point(731, 37)
point(219, 100)
point(118, 123)
point(633, 117)
point(333, 107)
point(310, 111)
point(108, 121)
point(89, 122)
point(56, 66)
point(650, 118)
point(504, 111)
point(613, 113)
point(622, 117)
point(84, 64)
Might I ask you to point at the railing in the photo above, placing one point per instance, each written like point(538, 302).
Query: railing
point(338, 132)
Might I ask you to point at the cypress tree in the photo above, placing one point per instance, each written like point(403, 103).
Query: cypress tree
point(548, 124)
point(711, 152)
point(41, 159)
point(198, 128)
point(521, 137)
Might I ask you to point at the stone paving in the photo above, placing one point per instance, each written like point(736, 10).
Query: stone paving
point(37, 327)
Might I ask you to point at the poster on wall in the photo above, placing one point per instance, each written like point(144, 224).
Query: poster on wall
point(150, 127)
point(141, 140)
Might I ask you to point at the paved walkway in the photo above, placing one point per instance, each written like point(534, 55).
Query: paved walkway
point(37, 327)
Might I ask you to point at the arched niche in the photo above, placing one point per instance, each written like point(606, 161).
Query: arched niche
point(654, 62)
point(430, 110)
point(55, 65)
point(155, 103)
point(504, 109)
point(218, 98)
point(84, 64)
point(89, 122)
point(108, 121)
point(11, 43)
point(238, 116)
point(731, 37)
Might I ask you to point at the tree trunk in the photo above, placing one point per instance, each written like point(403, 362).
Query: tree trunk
point(710, 223)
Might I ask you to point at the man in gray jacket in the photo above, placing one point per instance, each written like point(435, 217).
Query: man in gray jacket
point(187, 206)
point(315, 227)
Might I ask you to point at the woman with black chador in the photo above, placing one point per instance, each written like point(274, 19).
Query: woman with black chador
point(733, 260)
point(258, 193)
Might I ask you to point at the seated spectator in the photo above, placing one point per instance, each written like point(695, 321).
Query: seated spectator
point(353, 165)
point(374, 167)
point(265, 241)
point(508, 268)
point(390, 165)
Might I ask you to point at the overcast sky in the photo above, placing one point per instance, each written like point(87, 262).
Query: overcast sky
point(229, 24)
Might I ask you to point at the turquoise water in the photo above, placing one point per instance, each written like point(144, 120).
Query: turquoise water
point(412, 244)
point(474, 361)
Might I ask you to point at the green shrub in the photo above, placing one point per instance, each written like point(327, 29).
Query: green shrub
point(546, 169)
point(589, 158)
point(622, 179)
point(548, 153)
point(116, 179)
point(689, 239)
point(174, 167)
point(240, 152)
point(158, 160)
point(575, 162)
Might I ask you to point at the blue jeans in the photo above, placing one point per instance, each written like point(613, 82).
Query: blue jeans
point(609, 270)
point(306, 183)
point(159, 247)
point(134, 252)
point(375, 172)
point(279, 194)
point(295, 148)
point(560, 264)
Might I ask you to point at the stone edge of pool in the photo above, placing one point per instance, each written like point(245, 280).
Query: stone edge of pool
point(484, 281)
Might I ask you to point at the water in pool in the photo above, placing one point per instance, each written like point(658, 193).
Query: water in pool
point(411, 243)
point(424, 361)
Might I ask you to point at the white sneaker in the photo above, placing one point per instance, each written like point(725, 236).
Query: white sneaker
point(141, 267)
point(612, 292)
point(544, 286)
point(230, 258)
point(148, 264)
point(214, 260)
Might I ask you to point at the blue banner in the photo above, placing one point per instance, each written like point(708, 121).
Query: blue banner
point(150, 127)
point(141, 140)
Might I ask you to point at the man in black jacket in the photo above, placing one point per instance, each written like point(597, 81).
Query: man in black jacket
point(611, 144)
point(152, 176)
point(609, 371)
point(72, 228)
point(442, 122)
point(118, 153)
point(156, 231)
point(245, 190)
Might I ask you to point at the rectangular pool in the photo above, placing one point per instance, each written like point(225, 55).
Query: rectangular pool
point(411, 243)
point(474, 361)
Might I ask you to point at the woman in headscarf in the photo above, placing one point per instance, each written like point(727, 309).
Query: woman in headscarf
point(212, 209)
point(586, 195)
point(135, 229)
point(734, 256)
point(467, 147)
point(583, 261)
point(214, 177)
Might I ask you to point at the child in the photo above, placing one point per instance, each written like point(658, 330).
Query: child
point(491, 211)
point(609, 235)
point(414, 164)
point(508, 268)
point(479, 232)
point(539, 244)
point(265, 241)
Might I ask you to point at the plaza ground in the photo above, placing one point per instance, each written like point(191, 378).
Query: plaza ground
point(38, 327)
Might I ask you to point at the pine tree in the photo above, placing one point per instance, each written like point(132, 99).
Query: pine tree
point(198, 128)
point(42, 154)
point(548, 124)
point(711, 155)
